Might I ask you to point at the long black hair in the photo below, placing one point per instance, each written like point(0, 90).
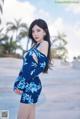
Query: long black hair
point(42, 24)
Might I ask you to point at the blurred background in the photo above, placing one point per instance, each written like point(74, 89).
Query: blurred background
point(63, 18)
point(60, 97)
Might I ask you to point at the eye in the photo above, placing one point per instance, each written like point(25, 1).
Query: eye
point(38, 30)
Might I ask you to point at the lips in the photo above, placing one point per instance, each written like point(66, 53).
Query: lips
point(36, 37)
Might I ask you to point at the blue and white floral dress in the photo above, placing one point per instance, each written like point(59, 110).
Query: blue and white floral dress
point(28, 79)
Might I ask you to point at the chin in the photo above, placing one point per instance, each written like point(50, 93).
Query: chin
point(37, 40)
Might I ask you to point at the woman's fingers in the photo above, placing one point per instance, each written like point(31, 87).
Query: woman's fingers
point(18, 91)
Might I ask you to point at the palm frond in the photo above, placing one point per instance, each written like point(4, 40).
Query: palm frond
point(1, 9)
point(1, 29)
point(3, 37)
point(24, 25)
point(3, 1)
point(0, 21)
point(23, 34)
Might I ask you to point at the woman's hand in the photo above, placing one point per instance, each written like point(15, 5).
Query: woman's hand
point(18, 91)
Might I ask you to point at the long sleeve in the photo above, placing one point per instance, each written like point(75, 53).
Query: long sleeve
point(42, 61)
point(30, 68)
point(33, 69)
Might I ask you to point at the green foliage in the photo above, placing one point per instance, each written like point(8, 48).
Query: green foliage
point(9, 45)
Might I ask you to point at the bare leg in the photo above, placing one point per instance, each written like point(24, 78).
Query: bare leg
point(26, 111)
point(32, 113)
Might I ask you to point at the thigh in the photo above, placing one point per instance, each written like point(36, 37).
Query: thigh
point(32, 113)
point(24, 111)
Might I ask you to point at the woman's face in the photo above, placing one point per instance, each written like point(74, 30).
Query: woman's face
point(38, 33)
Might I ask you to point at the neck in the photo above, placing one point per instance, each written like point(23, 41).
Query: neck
point(40, 41)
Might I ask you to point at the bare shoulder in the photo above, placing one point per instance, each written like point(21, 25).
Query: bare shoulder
point(44, 47)
point(44, 43)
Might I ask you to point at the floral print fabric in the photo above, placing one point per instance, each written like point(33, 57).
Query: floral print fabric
point(28, 79)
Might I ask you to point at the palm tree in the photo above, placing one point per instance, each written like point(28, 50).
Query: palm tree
point(3, 39)
point(19, 31)
point(24, 34)
point(59, 43)
point(16, 27)
point(1, 8)
point(10, 46)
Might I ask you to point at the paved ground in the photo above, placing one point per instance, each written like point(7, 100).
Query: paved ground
point(60, 97)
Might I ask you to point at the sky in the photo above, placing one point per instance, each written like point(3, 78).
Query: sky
point(60, 17)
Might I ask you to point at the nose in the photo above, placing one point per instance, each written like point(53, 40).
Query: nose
point(35, 34)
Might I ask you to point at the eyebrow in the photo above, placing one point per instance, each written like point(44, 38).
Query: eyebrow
point(36, 29)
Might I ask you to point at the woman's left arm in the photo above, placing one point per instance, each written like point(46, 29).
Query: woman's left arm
point(42, 60)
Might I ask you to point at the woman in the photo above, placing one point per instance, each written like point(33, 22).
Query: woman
point(35, 61)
